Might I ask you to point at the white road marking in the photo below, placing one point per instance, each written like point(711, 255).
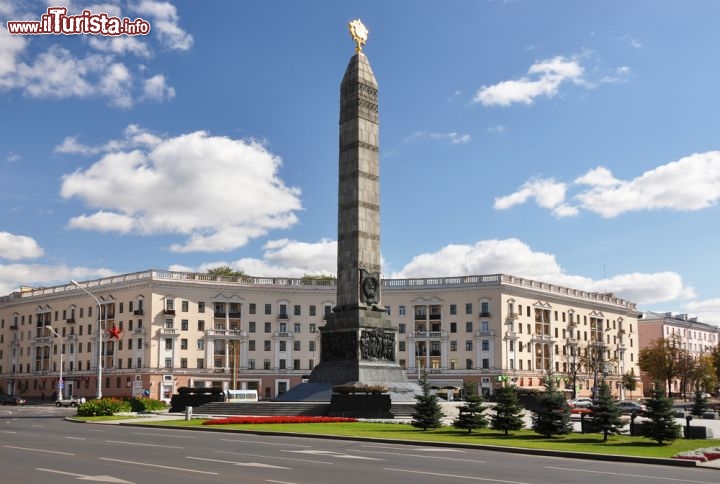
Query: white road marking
point(630, 475)
point(260, 442)
point(38, 450)
point(9, 432)
point(422, 456)
point(274, 457)
point(172, 436)
point(243, 464)
point(279, 482)
point(329, 453)
point(84, 477)
point(144, 445)
point(474, 478)
point(76, 438)
point(157, 465)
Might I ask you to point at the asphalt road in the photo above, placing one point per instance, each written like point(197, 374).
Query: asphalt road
point(38, 446)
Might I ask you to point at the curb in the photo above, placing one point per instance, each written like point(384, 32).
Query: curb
point(455, 445)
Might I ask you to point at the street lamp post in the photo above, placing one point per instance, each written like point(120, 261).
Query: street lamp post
point(61, 384)
point(98, 394)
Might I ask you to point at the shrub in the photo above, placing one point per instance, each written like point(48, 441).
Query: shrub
point(103, 407)
point(146, 404)
point(277, 420)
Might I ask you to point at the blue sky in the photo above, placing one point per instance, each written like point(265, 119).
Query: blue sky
point(565, 141)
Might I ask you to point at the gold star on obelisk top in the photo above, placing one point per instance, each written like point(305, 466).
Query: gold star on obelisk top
point(359, 33)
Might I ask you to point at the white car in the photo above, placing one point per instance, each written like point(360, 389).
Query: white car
point(581, 402)
point(67, 402)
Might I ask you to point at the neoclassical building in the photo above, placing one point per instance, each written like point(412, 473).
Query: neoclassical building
point(163, 330)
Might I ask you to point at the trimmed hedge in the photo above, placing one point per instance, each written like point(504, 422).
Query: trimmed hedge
point(112, 405)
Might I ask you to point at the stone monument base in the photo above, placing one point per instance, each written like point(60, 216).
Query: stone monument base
point(360, 406)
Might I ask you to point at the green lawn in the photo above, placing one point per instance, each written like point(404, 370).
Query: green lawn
point(590, 443)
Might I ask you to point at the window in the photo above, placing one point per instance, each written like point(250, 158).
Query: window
point(296, 310)
point(130, 341)
point(168, 343)
point(453, 327)
point(401, 328)
point(183, 362)
point(283, 364)
point(485, 363)
point(201, 363)
point(401, 310)
point(485, 345)
point(183, 344)
point(168, 362)
point(468, 308)
point(120, 311)
point(313, 310)
point(268, 309)
point(251, 364)
point(468, 327)
point(311, 346)
point(485, 309)
point(468, 364)
point(267, 345)
point(453, 346)
point(296, 328)
point(313, 328)
point(296, 345)
point(253, 308)
point(328, 310)
point(283, 346)
point(170, 304)
point(201, 307)
point(184, 306)
point(453, 309)
point(283, 311)
point(169, 323)
point(296, 364)
point(201, 325)
point(251, 345)
point(268, 327)
point(468, 345)
point(266, 364)
point(401, 346)
point(387, 310)
point(184, 324)
point(201, 344)
point(251, 327)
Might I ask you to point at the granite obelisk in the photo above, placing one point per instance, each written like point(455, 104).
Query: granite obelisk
point(358, 342)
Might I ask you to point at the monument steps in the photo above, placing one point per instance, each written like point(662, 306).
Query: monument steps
point(315, 409)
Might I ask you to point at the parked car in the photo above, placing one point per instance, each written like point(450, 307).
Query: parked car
point(627, 406)
point(13, 400)
point(582, 402)
point(67, 402)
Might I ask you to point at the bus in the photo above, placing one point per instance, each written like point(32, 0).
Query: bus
point(242, 396)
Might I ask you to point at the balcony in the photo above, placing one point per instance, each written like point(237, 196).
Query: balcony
point(484, 334)
point(14, 326)
point(429, 334)
point(513, 316)
point(435, 317)
point(282, 317)
point(511, 335)
point(72, 337)
point(234, 315)
point(138, 312)
point(139, 331)
point(484, 314)
point(542, 338)
point(70, 320)
point(226, 333)
point(169, 332)
point(169, 312)
point(572, 341)
point(282, 334)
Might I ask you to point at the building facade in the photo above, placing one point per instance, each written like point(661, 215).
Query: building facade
point(687, 333)
point(164, 330)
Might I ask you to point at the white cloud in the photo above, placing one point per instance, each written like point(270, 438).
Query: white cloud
point(218, 192)
point(164, 19)
point(514, 257)
point(708, 311)
point(12, 276)
point(155, 88)
point(16, 247)
point(689, 184)
point(544, 79)
point(133, 137)
point(283, 258)
point(120, 45)
point(497, 129)
point(453, 137)
point(547, 193)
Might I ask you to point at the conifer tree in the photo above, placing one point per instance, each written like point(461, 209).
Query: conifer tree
point(553, 417)
point(661, 425)
point(508, 411)
point(605, 416)
point(700, 404)
point(471, 414)
point(427, 413)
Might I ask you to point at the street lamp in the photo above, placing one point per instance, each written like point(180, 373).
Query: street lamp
point(98, 394)
point(61, 384)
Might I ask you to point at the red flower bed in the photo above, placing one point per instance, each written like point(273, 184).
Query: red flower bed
point(277, 420)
